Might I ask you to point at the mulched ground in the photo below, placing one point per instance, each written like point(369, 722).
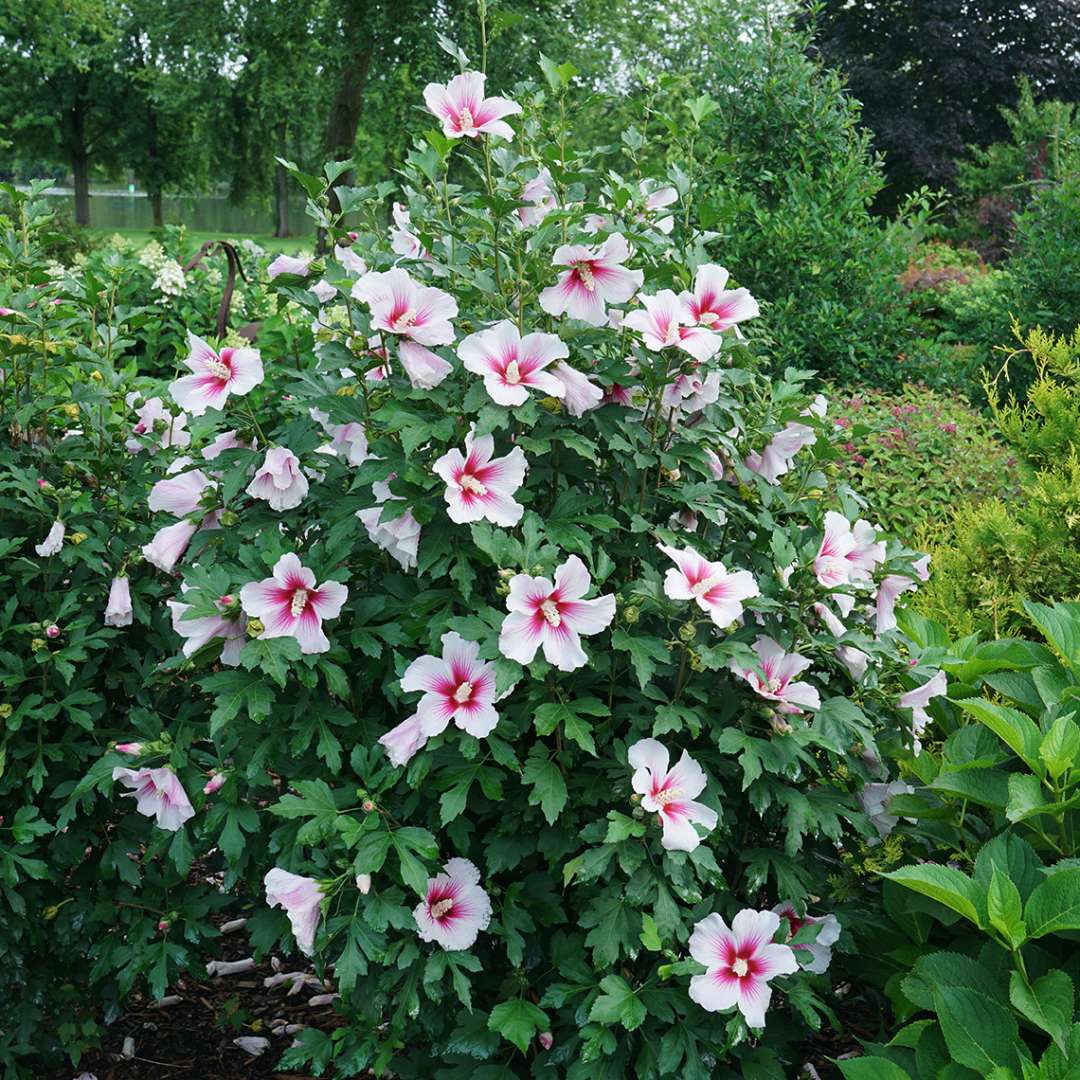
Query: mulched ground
point(194, 1038)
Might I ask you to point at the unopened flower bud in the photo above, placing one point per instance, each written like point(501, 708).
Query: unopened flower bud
point(96, 376)
point(363, 883)
point(367, 806)
point(50, 913)
point(129, 748)
point(638, 813)
point(227, 600)
point(635, 798)
point(552, 404)
point(229, 518)
point(52, 631)
point(5, 711)
point(214, 784)
point(631, 614)
point(506, 574)
point(37, 644)
point(696, 663)
point(77, 537)
point(255, 627)
point(546, 1040)
point(71, 409)
point(163, 925)
point(687, 633)
point(43, 483)
point(346, 391)
point(780, 725)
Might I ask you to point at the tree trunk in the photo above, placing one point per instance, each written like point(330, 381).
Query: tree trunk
point(80, 162)
point(348, 100)
point(281, 188)
point(157, 208)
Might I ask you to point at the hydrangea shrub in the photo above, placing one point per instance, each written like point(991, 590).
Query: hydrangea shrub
point(490, 627)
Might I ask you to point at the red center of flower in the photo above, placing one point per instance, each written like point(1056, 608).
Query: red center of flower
point(298, 603)
point(463, 693)
point(740, 967)
point(441, 908)
point(465, 120)
point(405, 319)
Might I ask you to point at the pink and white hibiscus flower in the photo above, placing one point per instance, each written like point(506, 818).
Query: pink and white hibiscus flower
point(513, 365)
point(227, 440)
point(868, 551)
point(667, 323)
point(53, 542)
point(349, 440)
point(118, 611)
point(455, 908)
point(425, 369)
point(457, 686)
point(230, 625)
point(670, 792)
point(464, 111)
point(288, 264)
point(875, 799)
point(290, 604)
point(279, 480)
point(774, 682)
point(399, 305)
point(711, 304)
point(690, 392)
point(916, 700)
point(155, 419)
point(855, 660)
point(400, 536)
point(889, 591)
point(776, 458)
point(168, 545)
point(301, 898)
point(214, 376)
point(402, 240)
point(180, 494)
point(740, 962)
point(159, 794)
point(657, 199)
point(479, 486)
point(831, 564)
point(403, 741)
point(579, 394)
point(820, 949)
point(715, 590)
point(596, 278)
point(540, 193)
point(349, 260)
point(553, 616)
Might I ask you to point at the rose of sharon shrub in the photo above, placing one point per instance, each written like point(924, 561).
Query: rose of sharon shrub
point(546, 699)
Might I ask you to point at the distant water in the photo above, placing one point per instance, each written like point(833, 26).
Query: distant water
point(118, 209)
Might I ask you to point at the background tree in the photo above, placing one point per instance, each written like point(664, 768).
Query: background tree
point(933, 74)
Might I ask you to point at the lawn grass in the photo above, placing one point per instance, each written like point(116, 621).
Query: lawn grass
point(138, 237)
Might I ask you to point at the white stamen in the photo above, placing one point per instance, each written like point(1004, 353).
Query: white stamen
point(463, 693)
point(705, 585)
point(584, 270)
point(468, 482)
point(513, 373)
point(550, 610)
point(441, 908)
point(298, 603)
point(707, 318)
point(740, 967)
point(218, 368)
point(405, 319)
point(666, 796)
point(465, 121)
point(672, 337)
point(774, 685)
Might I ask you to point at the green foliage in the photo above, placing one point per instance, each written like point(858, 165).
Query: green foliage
point(991, 957)
point(998, 553)
point(792, 179)
point(918, 456)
